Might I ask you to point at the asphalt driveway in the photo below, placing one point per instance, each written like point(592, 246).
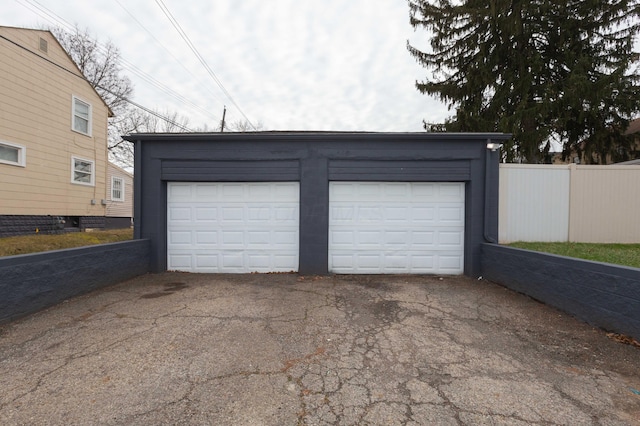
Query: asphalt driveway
point(281, 349)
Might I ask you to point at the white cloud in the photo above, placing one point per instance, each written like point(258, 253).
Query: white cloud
point(290, 64)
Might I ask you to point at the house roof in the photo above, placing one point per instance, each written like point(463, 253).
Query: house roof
point(119, 169)
point(635, 162)
point(634, 127)
point(77, 70)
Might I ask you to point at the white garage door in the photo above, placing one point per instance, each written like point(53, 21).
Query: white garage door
point(384, 227)
point(232, 227)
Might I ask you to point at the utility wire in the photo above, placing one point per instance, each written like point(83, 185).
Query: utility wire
point(82, 77)
point(164, 47)
point(43, 11)
point(57, 20)
point(147, 110)
point(195, 51)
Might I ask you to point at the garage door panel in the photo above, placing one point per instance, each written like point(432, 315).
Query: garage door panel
point(232, 214)
point(204, 191)
point(451, 263)
point(233, 227)
point(258, 238)
point(367, 238)
point(342, 237)
point(370, 262)
point(423, 213)
point(179, 192)
point(207, 261)
point(285, 191)
point(339, 213)
point(423, 239)
point(206, 214)
point(232, 261)
point(180, 214)
point(451, 215)
point(396, 262)
point(450, 239)
point(285, 213)
point(450, 191)
point(284, 238)
point(258, 261)
point(425, 191)
point(206, 238)
point(232, 191)
point(180, 237)
point(397, 214)
point(394, 238)
point(258, 213)
point(233, 239)
point(178, 261)
point(391, 262)
point(341, 261)
point(422, 263)
point(406, 227)
point(283, 262)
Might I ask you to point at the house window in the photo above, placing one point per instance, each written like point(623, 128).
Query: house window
point(82, 171)
point(81, 116)
point(12, 154)
point(117, 189)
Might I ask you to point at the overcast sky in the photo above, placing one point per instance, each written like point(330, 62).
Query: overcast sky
point(287, 64)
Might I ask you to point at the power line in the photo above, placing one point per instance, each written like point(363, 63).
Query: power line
point(164, 47)
point(148, 111)
point(82, 77)
point(195, 51)
point(51, 17)
point(42, 11)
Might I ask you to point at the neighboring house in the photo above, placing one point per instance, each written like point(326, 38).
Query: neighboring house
point(53, 138)
point(634, 128)
point(119, 197)
point(635, 162)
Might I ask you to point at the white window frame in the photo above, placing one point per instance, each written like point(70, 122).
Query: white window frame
point(73, 171)
point(22, 154)
point(74, 101)
point(121, 180)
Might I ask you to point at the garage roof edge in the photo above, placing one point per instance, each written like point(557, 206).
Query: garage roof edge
point(313, 135)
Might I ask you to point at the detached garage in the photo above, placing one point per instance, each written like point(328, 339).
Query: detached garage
point(315, 202)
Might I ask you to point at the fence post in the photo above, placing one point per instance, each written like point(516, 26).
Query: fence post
point(573, 181)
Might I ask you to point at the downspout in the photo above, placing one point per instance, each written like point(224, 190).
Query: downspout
point(137, 189)
point(491, 148)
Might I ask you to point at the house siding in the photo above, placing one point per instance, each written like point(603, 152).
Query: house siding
point(35, 112)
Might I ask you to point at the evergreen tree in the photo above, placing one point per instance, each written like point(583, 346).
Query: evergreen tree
point(542, 70)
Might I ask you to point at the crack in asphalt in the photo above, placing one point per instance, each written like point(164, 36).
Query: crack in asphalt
point(176, 348)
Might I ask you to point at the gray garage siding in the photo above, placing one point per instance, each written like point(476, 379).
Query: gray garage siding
point(314, 159)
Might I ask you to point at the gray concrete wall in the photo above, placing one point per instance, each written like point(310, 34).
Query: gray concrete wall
point(12, 225)
point(36, 281)
point(603, 295)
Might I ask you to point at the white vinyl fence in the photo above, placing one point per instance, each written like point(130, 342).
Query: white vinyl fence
point(595, 204)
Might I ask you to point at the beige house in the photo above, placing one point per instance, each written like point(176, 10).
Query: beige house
point(53, 138)
point(119, 197)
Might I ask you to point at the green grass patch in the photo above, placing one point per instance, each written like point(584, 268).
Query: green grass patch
point(10, 246)
point(620, 254)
